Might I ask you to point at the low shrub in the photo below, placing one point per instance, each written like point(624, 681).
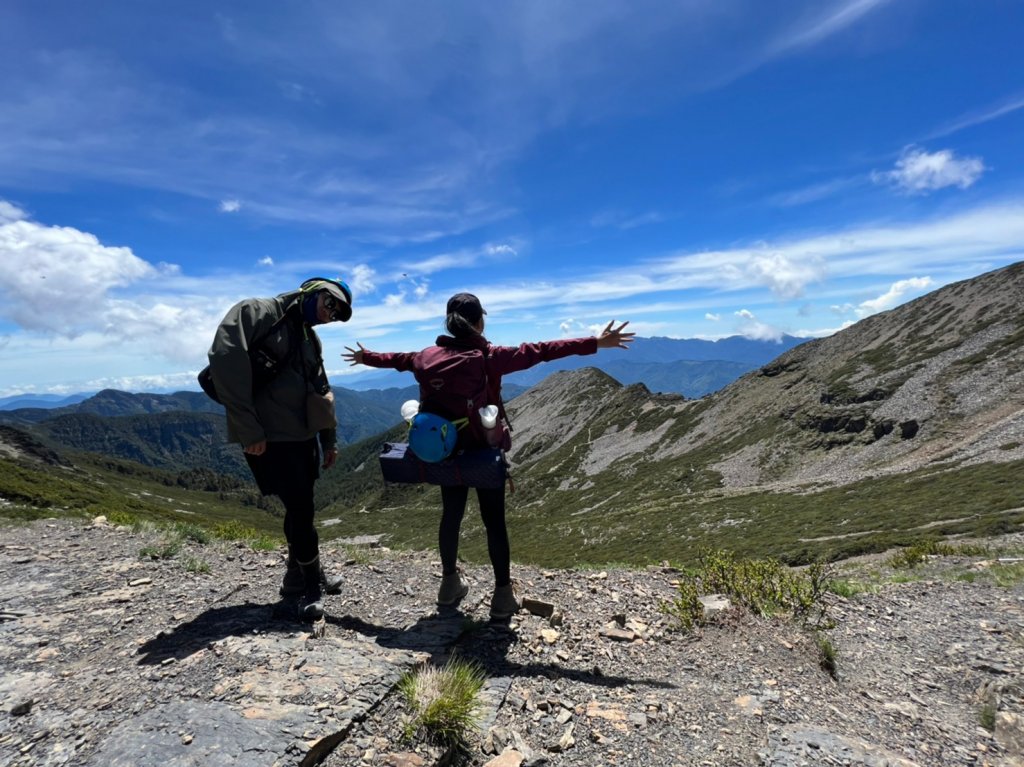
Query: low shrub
point(764, 586)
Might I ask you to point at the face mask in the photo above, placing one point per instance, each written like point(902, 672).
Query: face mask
point(309, 313)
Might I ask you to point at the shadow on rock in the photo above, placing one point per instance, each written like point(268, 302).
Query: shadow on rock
point(215, 624)
point(434, 634)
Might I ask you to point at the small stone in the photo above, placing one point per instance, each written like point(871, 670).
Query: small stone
point(510, 758)
point(1009, 732)
point(22, 708)
point(550, 636)
point(538, 607)
point(404, 759)
point(186, 739)
point(619, 635)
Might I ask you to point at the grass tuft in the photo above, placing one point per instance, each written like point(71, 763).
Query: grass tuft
point(195, 565)
point(827, 655)
point(443, 701)
point(168, 548)
point(987, 717)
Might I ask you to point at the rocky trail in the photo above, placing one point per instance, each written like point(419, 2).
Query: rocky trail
point(111, 658)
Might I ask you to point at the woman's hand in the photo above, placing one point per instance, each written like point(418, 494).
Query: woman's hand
point(355, 356)
point(330, 456)
point(612, 338)
point(256, 448)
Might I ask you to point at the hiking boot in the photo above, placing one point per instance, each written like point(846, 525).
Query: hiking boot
point(311, 607)
point(504, 603)
point(293, 584)
point(453, 588)
point(311, 603)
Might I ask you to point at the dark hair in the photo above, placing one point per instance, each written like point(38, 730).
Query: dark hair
point(464, 312)
point(459, 326)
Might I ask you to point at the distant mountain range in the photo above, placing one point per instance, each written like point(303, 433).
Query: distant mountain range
point(18, 401)
point(692, 367)
point(186, 429)
point(906, 426)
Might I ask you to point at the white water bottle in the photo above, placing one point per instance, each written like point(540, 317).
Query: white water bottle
point(489, 416)
point(409, 409)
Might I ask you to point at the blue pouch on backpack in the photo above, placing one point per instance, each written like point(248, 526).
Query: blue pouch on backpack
point(431, 437)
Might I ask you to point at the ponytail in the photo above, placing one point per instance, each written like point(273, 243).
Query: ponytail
point(459, 326)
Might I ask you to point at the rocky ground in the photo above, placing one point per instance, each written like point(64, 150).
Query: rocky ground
point(109, 658)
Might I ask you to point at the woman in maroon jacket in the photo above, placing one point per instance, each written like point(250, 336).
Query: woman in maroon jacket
point(465, 323)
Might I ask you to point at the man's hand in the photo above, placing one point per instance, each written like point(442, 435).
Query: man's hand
point(611, 338)
point(330, 456)
point(256, 448)
point(355, 356)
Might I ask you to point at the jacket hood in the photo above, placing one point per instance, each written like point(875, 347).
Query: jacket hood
point(473, 342)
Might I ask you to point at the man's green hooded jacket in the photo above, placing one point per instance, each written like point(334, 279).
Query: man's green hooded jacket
point(276, 413)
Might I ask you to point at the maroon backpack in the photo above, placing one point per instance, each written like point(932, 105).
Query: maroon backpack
point(453, 384)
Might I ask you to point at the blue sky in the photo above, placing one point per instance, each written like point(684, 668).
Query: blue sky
point(699, 168)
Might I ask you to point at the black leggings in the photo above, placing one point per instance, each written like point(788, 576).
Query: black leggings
point(492, 512)
point(288, 470)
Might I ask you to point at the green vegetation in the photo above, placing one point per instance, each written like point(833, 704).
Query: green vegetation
point(645, 511)
point(850, 588)
point(128, 494)
point(764, 586)
point(987, 717)
point(828, 658)
point(194, 565)
point(1007, 575)
point(443, 701)
point(639, 511)
point(166, 549)
point(912, 556)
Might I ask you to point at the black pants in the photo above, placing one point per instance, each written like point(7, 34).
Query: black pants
point(492, 512)
point(288, 470)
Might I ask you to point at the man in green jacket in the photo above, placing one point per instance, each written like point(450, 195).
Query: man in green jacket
point(267, 365)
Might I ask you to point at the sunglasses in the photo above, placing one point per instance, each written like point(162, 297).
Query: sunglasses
point(333, 307)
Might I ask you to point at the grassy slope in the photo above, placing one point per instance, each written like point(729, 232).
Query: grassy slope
point(95, 486)
point(549, 527)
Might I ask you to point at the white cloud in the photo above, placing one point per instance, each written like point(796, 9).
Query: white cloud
point(230, 206)
point(786, 277)
point(815, 192)
point(918, 172)
point(830, 23)
point(501, 250)
point(713, 317)
point(821, 332)
point(894, 296)
point(59, 279)
point(1008, 106)
point(753, 328)
point(620, 219)
point(362, 280)
point(10, 213)
point(466, 258)
point(265, 261)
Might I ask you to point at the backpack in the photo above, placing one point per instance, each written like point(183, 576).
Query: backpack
point(265, 366)
point(453, 388)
